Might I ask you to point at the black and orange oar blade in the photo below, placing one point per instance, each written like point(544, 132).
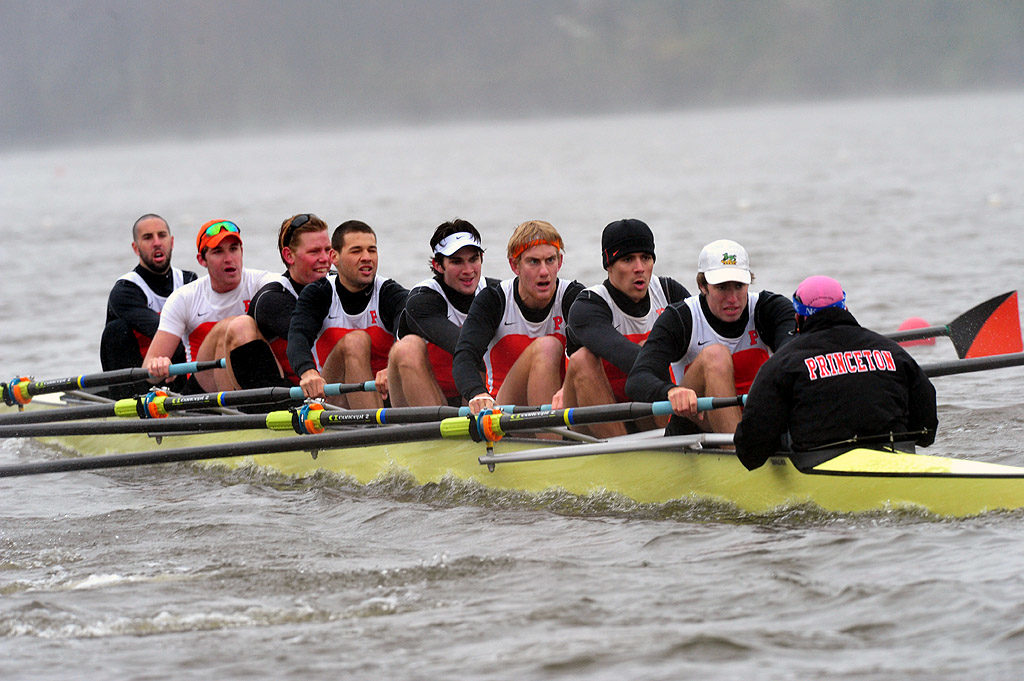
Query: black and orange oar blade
point(991, 328)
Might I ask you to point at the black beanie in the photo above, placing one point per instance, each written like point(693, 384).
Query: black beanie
point(623, 237)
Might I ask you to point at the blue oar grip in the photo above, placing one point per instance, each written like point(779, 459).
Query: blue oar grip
point(664, 408)
point(190, 367)
point(336, 389)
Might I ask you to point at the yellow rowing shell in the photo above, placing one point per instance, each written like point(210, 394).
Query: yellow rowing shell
point(650, 470)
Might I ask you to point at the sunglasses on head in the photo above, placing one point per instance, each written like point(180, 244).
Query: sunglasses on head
point(296, 222)
point(218, 227)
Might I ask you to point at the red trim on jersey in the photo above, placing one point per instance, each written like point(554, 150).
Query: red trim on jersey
point(279, 347)
point(380, 345)
point(505, 353)
point(198, 335)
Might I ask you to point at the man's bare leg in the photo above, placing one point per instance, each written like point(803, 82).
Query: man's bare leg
point(410, 377)
point(711, 375)
point(214, 347)
point(535, 376)
point(586, 385)
point(349, 362)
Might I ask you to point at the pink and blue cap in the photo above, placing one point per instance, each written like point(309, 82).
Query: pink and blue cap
point(818, 293)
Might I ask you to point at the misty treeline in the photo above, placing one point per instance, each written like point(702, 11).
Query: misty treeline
point(106, 68)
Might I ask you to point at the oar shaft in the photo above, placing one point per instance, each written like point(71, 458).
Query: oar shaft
point(115, 377)
point(93, 411)
point(186, 424)
point(302, 443)
point(392, 415)
point(963, 366)
point(915, 334)
point(231, 398)
point(140, 406)
point(624, 411)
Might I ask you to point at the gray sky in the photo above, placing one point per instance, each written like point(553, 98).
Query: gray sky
point(109, 69)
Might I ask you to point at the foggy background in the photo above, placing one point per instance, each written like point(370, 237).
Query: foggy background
point(118, 69)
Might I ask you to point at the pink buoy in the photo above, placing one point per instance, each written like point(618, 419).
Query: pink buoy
point(916, 323)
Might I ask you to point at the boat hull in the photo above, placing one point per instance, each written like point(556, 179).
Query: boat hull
point(861, 480)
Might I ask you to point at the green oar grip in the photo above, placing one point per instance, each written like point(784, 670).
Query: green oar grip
point(127, 408)
point(280, 420)
point(454, 428)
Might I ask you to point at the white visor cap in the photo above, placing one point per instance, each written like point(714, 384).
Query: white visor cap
point(453, 242)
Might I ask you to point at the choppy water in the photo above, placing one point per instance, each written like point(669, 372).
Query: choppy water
point(915, 205)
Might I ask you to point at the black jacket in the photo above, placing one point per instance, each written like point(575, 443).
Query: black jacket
point(835, 381)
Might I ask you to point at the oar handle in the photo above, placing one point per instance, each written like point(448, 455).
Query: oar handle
point(195, 367)
point(22, 390)
point(340, 389)
point(510, 409)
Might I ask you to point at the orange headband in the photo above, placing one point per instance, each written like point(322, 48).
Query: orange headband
point(557, 243)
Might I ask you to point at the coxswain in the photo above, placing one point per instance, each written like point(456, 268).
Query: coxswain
point(349, 320)
point(200, 313)
point(711, 344)
point(135, 301)
point(420, 362)
point(835, 383)
point(257, 342)
point(610, 321)
point(512, 344)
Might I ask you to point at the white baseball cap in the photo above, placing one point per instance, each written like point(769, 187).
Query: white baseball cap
point(724, 260)
point(453, 242)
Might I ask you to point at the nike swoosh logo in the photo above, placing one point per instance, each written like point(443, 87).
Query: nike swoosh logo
point(201, 314)
point(509, 323)
point(699, 343)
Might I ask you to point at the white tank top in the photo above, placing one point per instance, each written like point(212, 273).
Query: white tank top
point(515, 333)
point(192, 310)
point(749, 352)
point(337, 323)
point(454, 315)
point(636, 329)
point(153, 301)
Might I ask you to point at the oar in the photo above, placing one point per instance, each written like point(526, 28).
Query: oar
point(153, 404)
point(484, 426)
point(310, 421)
point(22, 390)
point(963, 366)
point(989, 328)
point(275, 420)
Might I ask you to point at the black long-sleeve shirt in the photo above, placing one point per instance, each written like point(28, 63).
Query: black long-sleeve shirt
point(426, 314)
point(590, 322)
point(835, 381)
point(128, 302)
point(272, 308)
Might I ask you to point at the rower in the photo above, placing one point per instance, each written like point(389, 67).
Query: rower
point(349, 319)
point(836, 382)
point(135, 301)
point(609, 322)
point(201, 312)
point(420, 362)
point(257, 341)
point(512, 344)
point(712, 343)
